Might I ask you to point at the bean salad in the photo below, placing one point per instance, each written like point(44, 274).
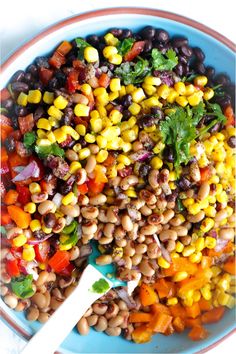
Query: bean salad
point(128, 140)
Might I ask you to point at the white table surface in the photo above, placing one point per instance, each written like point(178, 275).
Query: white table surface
point(21, 20)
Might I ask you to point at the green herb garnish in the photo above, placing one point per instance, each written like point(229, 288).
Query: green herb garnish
point(72, 231)
point(70, 228)
point(165, 61)
point(180, 205)
point(131, 73)
point(125, 46)
point(100, 286)
point(214, 110)
point(53, 149)
point(22, 286)
point(29, 140)
point(81, 44)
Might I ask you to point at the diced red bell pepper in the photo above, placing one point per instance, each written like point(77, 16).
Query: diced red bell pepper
point(24, 196)
point(79, 120)
point(5, 94)
point(67, 271)
point(64, 48)
point(42, 251)
point(4, 168)
point(136, 49)
point(26, 123)
point(205, 173)
point(229, 114)
point(82, 188)
point(12, 267)
point(104, 80)
point(94, 188)
point(72, 81)
point(5, 120)
point(59, 261)
point(4, 155)
point(5, 217)
point(57, 60)
point(45, 75)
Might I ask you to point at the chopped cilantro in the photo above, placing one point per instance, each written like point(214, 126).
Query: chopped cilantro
point(165, 61)
point(214, 110)
point(125, 46)
point(100, 286)
point(81, 44)
point(53, 149)
point(180, 205)
point(29, 140)
point(133, 73)
point(22, 286)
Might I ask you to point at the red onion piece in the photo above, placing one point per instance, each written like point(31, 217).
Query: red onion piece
point(122, 293)
point(165, 254)
point(35, 241)
point(220, 244)
point(57, 199)
point(31, 170)
point(85, 250)
point(141, 155)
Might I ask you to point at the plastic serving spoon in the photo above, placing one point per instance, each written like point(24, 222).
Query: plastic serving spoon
point(48, 339)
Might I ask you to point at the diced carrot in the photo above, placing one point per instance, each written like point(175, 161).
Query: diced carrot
point(198, 333)
point(110, 161)
point(193, 311)
point(196, 282)
point(205, 305)
point(164, 288)
point(192, 322)
point(178, 311)
point(160, 322)
point(104, 80)
point(178, 324)
point(141, 334)
point(64, 48)
point(147, 295)
point(140, 317)
point(4, 155)
point(180, 264)
point(213, 315)
point(11, 197)
point(229, 114)
point(19, 216)
point(160, 308)
point(230, 266)
point(169, 330)
point(5, 94)
point(26, 123)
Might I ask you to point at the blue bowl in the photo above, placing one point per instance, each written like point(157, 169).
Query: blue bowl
point(220, 53)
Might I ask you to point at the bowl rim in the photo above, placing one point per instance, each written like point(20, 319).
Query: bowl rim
point(99, 13)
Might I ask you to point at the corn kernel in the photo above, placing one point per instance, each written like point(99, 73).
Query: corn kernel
point(129, 135)
point(231, 302)
point(187, 202)
point(210, 242)
point(81, 110)
point(101, 141)
point(172, 96)
point(91, 54)
point(86, 89)
point(207, 225)
point(156, 163)
point(22, 99)
point(60, 102)
point(196, 295)
point(48, 97)
point(115, 59)
point(163, 263)
point(110, 39)
point(84, 153)
point(124, 159)
point(210, 211)
point(55, 112)
point(182, 101)
point(115, 84)
point(111, 133)
point(208, 93)
point(74, 167)
point(43, 123)
point(101, 156)
point(34, 96)
point(152, 102)
point(30, 208)
point(200, 80)
point(138, 95)
point(67, 199)
point(189, 90)
point(188, 250)
point(80, 129)
point(90, 138)
point(134, 108)
point(179, 276)
point(115, 116)
point(45, 229)
point(34, 188)
point(195, 257)
point(35, 225)
point(163, 91)
point(19, 240)
point(206, 293)
point(172, 301)
point(152, 80)
point(179, 247)
point(222, 197)
point(60, 136)
point(215, 271)
point(180, 88)
point(131, 193)
point(109, 51)
point(200, 244)
point(51, 137)
point(194, 208)
point(194, 99)
point(28, 254)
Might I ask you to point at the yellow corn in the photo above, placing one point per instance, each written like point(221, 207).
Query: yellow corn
point(124, 159)
point(196, 295)
point(45, 229)
point(84, 153)
point(101, 156)
point(138, 95)
point(111, 132)
point(35, 225)
point(60, 136)
point(134, 108)
point(195, 257)
point(90, 138)
point(115, 84)
point(115, 59)
point(182, 101)
point(163, 91)
point(28, 254)
point(188, 250)
point(206, 293)
point(51, 137)
point(22, 99)
point(131, 193)
point(96, 124)
point(67, 199)
point(43, 142)
point(80, 129)
point(19, 240)
point(48, 97)
point(179, 247)
point(53, 121)
point(215, 271)
point(200, 80)
point(189, 90)
point(110, 39)
point(200, 244)
point(101, 141)
point(129, 135)
point(65, 247)
point(172, 301)
point(86, 89)
point(231, 302)
point(109, 51)
point(152, 80)
point(208, 93)
point(156, 163)
point(34, 188)
point(126, 147)
point(222, 197)
point(210, 242)
point(30, 208)
point(81, 110)
point(55, 112)
point(163, 263)
point(180, 88)
point(210, 211)
point(34, 96)
point(41, 134)
point(115, 116)
point(91, 54)
point(194, 208)
point(195, 98)
point(172, 96)
point(60, 102)
point(43, 123)
point(179, 276)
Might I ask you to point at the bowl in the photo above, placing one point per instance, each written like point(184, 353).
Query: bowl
point(220, 53)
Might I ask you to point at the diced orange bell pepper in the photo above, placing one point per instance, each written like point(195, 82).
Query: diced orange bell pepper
point(198, 333)
point(213, 315)
point(59, 261)
point(64, 48)
point(140, 317)
point(147, 295)
point(205, 305)
point(179, 265)
point(193, 311)
point(110, 161)
point(164, 288)
point(104, 80)
point(196, 282)
point(100, 176)
point(19, 216)
point(5, 217)
point(11, 197)
point(229, 114)
point(160, 308)
point(160, 322)
point(169, 330)
point(192, 322)
point(230, 266)
point(178, 311)
point(141, 334)
point(178, 324)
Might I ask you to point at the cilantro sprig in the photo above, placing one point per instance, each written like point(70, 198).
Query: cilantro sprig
point(81, 44)
point(53, 149)
point(165, 61)
point(22, 286)
point(125, 46)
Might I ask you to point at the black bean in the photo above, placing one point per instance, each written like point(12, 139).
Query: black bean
point(222, 79)
point(210, 71)
point(183, 59)
point(223, 101)
point(126, 100)
point(199, 54)
point(179, 42)
point(172, 197)
point(61, 78)
point(168, 154)
point(68, 116)
point(10, 144)
point(147, 46)
point(39, 234)
point(14, 120)
point(126, 114)
point(32, 69)
point(126, 33)
point(200, 68)
point(28, 78)
point(20, 86)
point(146, 121)
point(39, 113)
point(137, 37)
point(117, 32)
point(20, 111)
point(37, 86)
point(8, 103)
point(157, 112)
point(184, 183)
point(82, 142)
point(186, 51)
point(148, 32)
point(215, 128)
point(162, 47)
point(144, 170)
point(18, 76)
point(162, 36)
point(42, 62)
point(66, 187)
point(53, 84)
point(49, 220)
point(179, 69)
point(232, 142)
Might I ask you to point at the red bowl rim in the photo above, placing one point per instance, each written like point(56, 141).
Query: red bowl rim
point(104, 12)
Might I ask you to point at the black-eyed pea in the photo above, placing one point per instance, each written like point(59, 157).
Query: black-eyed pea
point(126, 223)
point(153, 179)
point(112, 310)
point(92, 320)
point(74, 253)
point(83, 327)
point(197, 217)
point(39, 300)
point(81, 176)
point(39, 197)
point(32, 314)
point(101, 325)
point(104, 259)
point(176, 221)
point(69, 290)
point(122, 305)
point(70, 210)
point(170, 245)
point(90, 164)
point(51, 277)
point(99, 308)
point(153, 251)
point(136, 259)
point(115, 332)
point(168, 215)
point(146, 269)
point(227, 233)
point(140, 248)
point(43, 278)
point(13, 232)
point(60, 224)
point(43, 317)
point(71, 155)
point(109, 229)
point(180, 230)
point(3, 290)
point(121, 243)
point(128, 181)
point(221, 215)
point(88, 312)
point(89, 227)
point(89, 212)
point(168, 235)
point(99, 199)
point(204, 191)
point(10, 300)
point(46, 207)
point(194, 172)
point(54, 303)
point(115, 321)
point(149, 230)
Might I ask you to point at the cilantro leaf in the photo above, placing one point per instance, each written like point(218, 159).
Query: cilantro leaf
point(100, 286)
point(131, 73)
point(214, 110)
point(125, 46)
point(29, 140)
point(165, 61)
point(72, 231)
point(196, 113)
point(22, 286)
point(81, 44)
point(53, 149)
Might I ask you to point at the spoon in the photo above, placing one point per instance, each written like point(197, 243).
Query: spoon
point(95, 281)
